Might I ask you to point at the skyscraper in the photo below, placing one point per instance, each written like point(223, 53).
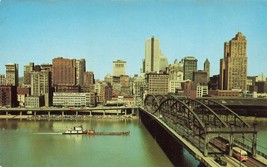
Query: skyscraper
point(119, 67)
point(190, 65)
point(207, 68)
point(12, 74)
point(41, 85)
point(63, 71)
point(154, 59)
point(80, 69)
point(27, 74)
point(233, 67)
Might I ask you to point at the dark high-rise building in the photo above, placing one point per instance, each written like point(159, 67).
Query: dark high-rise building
point(200, 77)
point(190, 65)
point(233, 67)
point(8, 96)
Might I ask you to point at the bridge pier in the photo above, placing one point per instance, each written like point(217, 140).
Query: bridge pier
point(62, 113)
point(6, 112)
point(34, 113)
point(48, 114)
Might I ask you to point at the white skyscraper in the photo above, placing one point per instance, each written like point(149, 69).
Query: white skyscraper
point(154, 59)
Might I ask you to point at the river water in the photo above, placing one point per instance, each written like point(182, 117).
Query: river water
point(27, 143)
point(40, 143)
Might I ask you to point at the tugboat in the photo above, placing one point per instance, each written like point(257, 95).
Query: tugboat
point(75, 130)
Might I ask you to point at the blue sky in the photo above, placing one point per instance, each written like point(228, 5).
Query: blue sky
point(105, 30)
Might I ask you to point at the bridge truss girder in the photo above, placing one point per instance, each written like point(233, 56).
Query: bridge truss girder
point(199, 119)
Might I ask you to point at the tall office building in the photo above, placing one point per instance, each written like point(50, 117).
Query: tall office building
point(27, 74)
point(233, 67)
point(12, 74)
point(154, 59)
point(80, 69)
point(69, 72)
point(190, 65)
point(41, 85)
point(63, 71)
point(119, 67)
point(89, 78)
point(157, 84)
point(207, 68)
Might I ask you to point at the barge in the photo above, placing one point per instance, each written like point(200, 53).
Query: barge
point(93, 132)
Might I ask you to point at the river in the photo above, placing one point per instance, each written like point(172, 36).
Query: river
point(27, 143)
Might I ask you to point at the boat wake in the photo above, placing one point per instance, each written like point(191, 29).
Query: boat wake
point(49, 133)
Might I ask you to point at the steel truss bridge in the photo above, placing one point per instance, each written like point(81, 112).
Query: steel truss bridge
point(202, 122)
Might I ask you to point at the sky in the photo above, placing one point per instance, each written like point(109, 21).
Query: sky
point(101, 31)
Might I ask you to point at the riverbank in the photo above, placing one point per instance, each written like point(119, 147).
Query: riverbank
point(66, 117)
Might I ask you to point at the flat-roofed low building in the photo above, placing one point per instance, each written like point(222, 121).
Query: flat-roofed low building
point(201, 90)
point(22, 93)
point(226, 93)
point(34, 101)
point(61, 99)
point(174, 85)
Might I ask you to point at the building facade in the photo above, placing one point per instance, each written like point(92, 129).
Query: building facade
point(119, 67)
point(157, 84)
point(12, 74)
point(27, 74)
point(2, 79)
point(233, 67)
point(207, 68)
point(72, 99)
point(154, 61)
point(190, 65)
point(63, 71)
point(80, 68)
point(8, 96)
point(41, 85)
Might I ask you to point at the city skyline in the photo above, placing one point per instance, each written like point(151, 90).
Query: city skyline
point(104, 31)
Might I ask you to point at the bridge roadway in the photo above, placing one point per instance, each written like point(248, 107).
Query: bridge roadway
point(100, 110)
